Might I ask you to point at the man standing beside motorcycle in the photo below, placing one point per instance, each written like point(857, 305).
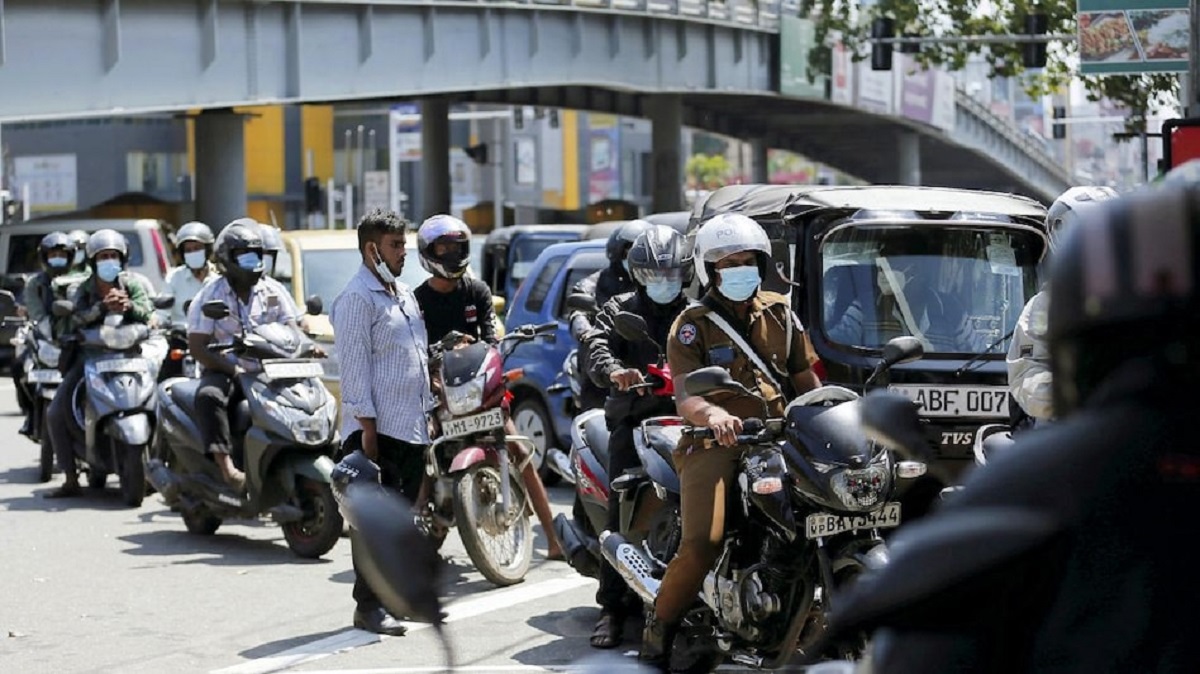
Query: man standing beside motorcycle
point(55, 252)
point(759, 339)
point(109, 290)
point(251, 302)
point(660, 266)
point(451, 301)
point(387, 395)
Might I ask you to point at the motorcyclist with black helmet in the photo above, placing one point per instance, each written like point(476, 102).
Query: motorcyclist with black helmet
point(55, 252)
point(660, 265)
point(110, 289)
point(251, 302)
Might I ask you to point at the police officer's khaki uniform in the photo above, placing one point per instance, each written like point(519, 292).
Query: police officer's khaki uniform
point(705, 469)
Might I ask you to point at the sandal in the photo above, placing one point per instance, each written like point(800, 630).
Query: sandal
point(609, 631)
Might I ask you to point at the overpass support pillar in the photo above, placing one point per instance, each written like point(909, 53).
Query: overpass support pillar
point(666, 140)
point(435, 156)
point(908, 149)
point(220, 139)
point(759, 171)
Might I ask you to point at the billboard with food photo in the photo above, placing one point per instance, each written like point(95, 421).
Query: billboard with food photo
point(1133, 36)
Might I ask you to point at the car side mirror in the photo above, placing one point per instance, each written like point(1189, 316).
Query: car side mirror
point(891, 419)
point(164, 301)
point(902, 350)
point(712, 379)
point(581, 302)
point(62, 308)
point(313, 305)
point(214, 309)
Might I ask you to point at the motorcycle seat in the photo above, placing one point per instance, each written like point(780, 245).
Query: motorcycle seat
point(184, 394)
point(595, 432)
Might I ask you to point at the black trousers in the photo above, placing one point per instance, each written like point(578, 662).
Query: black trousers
point(24, 392)
point(64, 432)
point(622, 456)
point(402, 465)
point(212, 411)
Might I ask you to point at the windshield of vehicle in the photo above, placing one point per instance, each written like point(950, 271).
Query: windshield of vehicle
point(326, 272)
point(957, 289)
point(23, 252)
point(524, 250)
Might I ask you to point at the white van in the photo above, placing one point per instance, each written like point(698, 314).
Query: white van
point(151, 252)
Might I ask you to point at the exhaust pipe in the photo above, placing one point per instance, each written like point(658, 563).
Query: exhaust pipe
point(163, 480)
point(582, 551)
point(632, 564)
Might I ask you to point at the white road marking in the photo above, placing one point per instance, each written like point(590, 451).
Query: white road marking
point(462, 610)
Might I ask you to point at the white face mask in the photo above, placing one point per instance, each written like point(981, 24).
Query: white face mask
point(195, 259)
point(381, 268)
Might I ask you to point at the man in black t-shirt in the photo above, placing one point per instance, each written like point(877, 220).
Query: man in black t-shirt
point(452, 301)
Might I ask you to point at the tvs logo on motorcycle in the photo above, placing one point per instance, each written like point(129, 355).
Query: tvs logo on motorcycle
point(687, 333)
point(471, 313)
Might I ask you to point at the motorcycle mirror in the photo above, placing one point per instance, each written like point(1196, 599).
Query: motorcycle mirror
point(633, 327)
point(313, 305)
point(164, 301)
point(712, 379)
point(891, 419)
point(62, 308)
point(397, 561)
point(214, 309)
point(581, 302)
point(902, 350)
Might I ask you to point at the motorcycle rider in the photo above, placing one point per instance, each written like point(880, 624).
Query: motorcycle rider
point(195, 241)
point(1028, 355)
point(79, 262)
point(604, 284)
point(734, 253)
point(272, 247)
point(251, 302)
point(108, 290)
point(450, 300)
point(1090, 575)
point(660, 266)
point(55, 252)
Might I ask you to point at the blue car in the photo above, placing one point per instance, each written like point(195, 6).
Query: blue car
point(540, 410)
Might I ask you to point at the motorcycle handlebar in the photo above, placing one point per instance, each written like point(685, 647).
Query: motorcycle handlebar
point(753, 431)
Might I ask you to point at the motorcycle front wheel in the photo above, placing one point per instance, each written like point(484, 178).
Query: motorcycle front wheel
point(133, 473)
point(321, 527)
point(46, 459)
point(499, 544)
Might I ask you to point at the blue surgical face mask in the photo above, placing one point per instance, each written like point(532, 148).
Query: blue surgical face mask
point(625, 264)
point(107, 270)
point(195, 259)
point(739, 283)
point(249, 261)
point(57, 262)
point(664, 292)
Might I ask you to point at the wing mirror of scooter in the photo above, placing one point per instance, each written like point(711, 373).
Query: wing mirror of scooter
point(62, 308)
point(633, 328)
point(214, 309)
point(897, 350)
point(313, 305)
point(164, 301)
point(581, 302)
point(714, 379)
point(891, 419)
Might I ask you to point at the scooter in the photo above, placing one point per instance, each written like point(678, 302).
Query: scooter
point(115, 401)
point(38, 354)
point(804, 521)
point(284, 440)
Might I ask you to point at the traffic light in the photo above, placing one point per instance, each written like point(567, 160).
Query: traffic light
point(1034, 53)
point(1059, 129)
point(881, 54)
point(477, 153)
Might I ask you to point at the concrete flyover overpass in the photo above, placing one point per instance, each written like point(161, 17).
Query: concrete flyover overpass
point(706, 63)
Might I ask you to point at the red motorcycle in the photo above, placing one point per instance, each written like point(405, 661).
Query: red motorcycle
point(475, 484)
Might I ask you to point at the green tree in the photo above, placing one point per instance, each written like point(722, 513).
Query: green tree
point(955, 18)
point(707, 171)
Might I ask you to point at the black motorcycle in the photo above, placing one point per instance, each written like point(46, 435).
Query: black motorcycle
point(805, 517)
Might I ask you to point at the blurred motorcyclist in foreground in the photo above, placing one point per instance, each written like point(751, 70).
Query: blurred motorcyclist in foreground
point(1067, 553)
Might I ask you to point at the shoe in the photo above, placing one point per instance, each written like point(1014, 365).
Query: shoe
point(657, 639)
point(379, 621)
point(609, 631)
point(26, 428)
point(67, 490)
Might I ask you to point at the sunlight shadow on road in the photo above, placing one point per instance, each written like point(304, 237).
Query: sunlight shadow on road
point(223, 549)
point(272, 647)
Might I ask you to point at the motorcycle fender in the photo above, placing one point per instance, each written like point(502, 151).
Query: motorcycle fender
point(469, 456)
point(131, 430)
point(318, 468)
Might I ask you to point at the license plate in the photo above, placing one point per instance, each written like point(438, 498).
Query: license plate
point(121, 365)
point(822, 524)
point(475, 423)
point(291, 369)
point(44, 377)
point(989, 402)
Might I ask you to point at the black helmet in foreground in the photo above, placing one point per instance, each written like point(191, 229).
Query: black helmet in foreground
point(239, 252)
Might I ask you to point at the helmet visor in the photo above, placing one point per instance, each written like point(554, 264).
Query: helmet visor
point(650, 276)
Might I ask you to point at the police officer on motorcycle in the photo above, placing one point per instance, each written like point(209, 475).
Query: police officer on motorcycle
point(55, 252)
point(109, 290)
point(660, 266)
point(755, 334)
point(1028, 354)
point(1067, 553)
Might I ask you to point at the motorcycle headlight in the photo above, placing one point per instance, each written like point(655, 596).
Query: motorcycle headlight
point(48, 353)
point(119, 338)
point(465, 398)
point(860, 490)
point(307, 429)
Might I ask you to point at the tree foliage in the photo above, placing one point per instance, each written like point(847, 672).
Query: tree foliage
point(707, 171)
point(851, 22)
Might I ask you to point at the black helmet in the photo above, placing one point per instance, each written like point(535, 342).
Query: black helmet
point(623, 237)
point(55, 241)
point(1124, 287)
point(446, 229)
point(240, 237)
point(660, 253)
point(354, 467)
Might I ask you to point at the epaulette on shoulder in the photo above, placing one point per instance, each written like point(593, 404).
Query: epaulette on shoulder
point(769, 297)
